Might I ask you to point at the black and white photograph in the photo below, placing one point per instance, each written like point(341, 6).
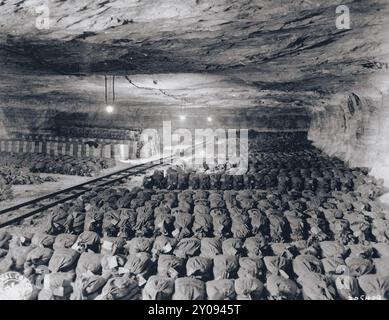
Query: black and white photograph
point(223, 152)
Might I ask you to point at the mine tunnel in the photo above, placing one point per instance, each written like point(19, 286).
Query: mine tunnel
point(194, 150)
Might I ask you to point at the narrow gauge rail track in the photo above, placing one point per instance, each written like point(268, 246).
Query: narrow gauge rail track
point(32, 207)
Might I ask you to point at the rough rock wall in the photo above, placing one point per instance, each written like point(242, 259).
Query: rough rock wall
point(356, 130)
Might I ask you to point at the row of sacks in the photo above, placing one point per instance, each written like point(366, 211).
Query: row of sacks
point(281, 180)
point(307, 274)
point(206, 259)
point(64, 164)
point(346, 217)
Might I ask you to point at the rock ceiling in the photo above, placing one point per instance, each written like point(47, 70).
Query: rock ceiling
point(205, 54)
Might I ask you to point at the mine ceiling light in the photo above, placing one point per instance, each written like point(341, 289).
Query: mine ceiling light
point(209, 119)
point(109, 96)
point(182, 117)
point(109, 109)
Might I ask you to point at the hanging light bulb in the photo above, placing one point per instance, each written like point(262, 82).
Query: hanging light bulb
point(209, 119)
point(109, 109)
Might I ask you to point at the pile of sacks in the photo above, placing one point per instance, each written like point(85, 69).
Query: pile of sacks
point(320, 181)
point(21, 176)
point(116, 243)
point(280, 141)
point(5, 190)
point(63, 164)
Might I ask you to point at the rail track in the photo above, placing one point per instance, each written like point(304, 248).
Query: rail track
point(27, 209)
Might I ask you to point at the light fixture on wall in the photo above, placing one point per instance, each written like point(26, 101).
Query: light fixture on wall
point(109, 108)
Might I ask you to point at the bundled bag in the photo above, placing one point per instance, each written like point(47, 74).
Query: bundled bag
point(182, 181)
point(87, 287)
point(214, 181)
point(158, 288)
point(202, 225)
point(250, 267)
point(159, 180)
point(280, 288)
point(380, 230)
point(237, 182)
point(240, 226)
point(170, 266)
point(333, 249)
point(316, 286)
point(5, 238)
point(57, 286)
point(94, 221)
point(359, 266)
point(187, 247)
point(346, 286)
point(233, 247)
point(204, 181)
point(110, 264)
point(76, 220)
point(88, 240)
point(303, 264)
point(256, 246)
point(226, 182)
point(38, 256)
point(381, 266)
point(119, 288)
point(183, 224)
point(42, 240)
point(163, 245)
point(89, 261)
point(221, 289)
point(361, 250)
point(63, 260)
point(382, 249)
point(199, 268)
point(221, 225)
point(16, 257)
point(164, 223)
point(189, 289)
point(113, 246)
point(194, 181)
point(225, 267)
point(278, 265)
point(210, 247)
point(57, 221)
point(216, 201)
point(249, 289)
point(139, 265)
point(139, 244)
point(171, 179)
point(200, 195)
point(278, 228)
point(144, 221)
point(64, 240)
point(331, 265)
point(110, 223)
point(374, 286)
point(318, 229)
point(297, 228)
point(201, 207)
point(259, 222)
point(342, 231)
